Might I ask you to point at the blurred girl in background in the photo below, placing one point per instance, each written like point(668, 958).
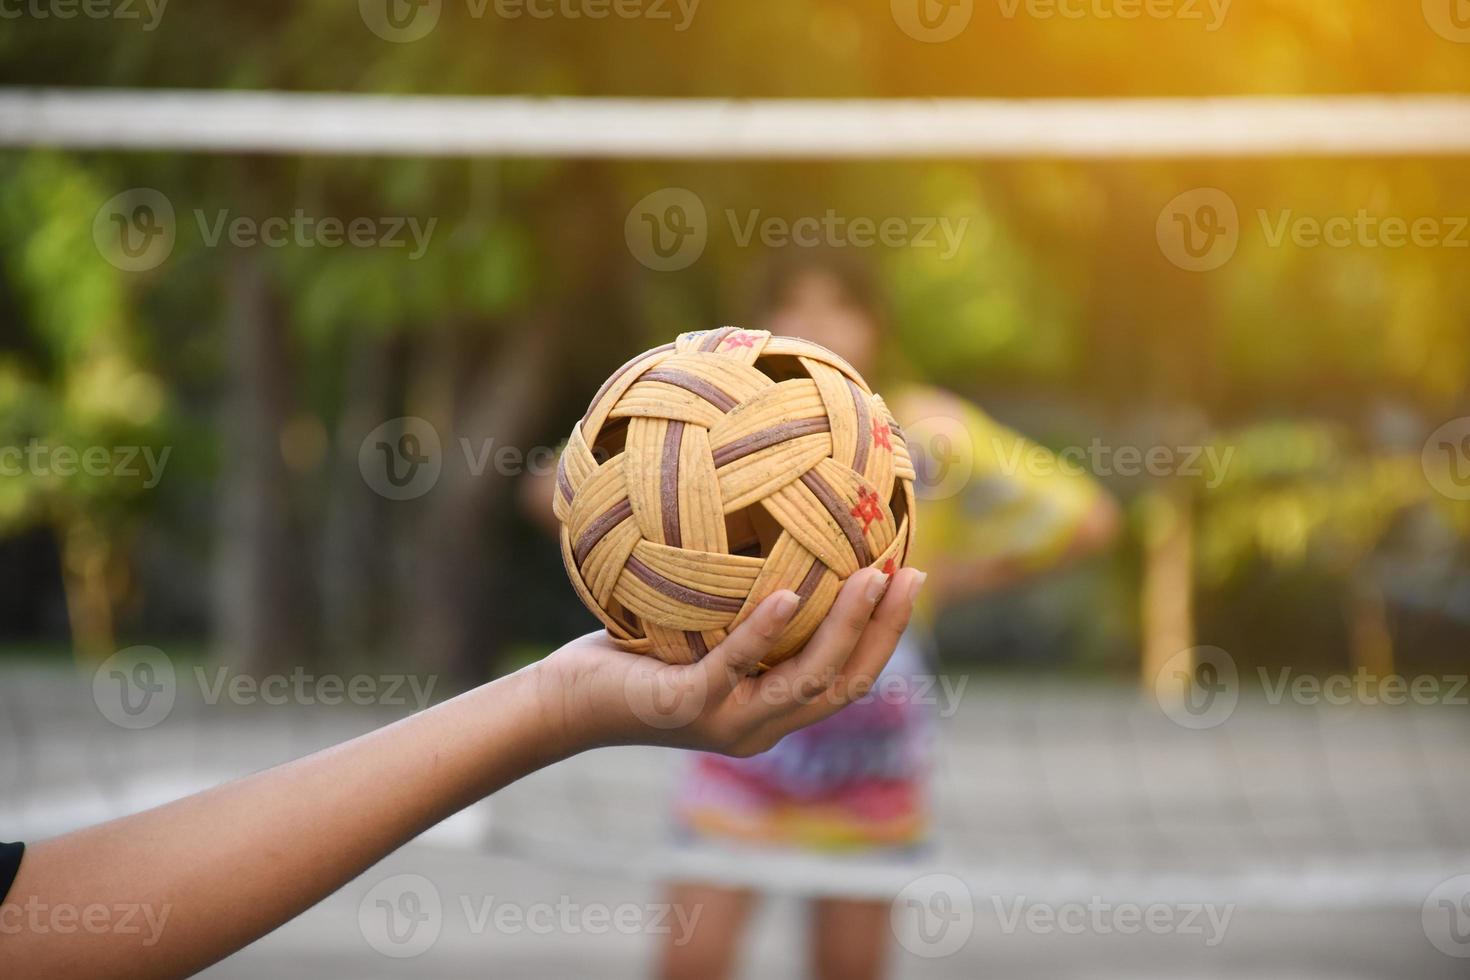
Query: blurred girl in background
point(857, 783)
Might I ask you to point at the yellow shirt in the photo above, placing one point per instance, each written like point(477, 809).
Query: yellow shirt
point(985, 492)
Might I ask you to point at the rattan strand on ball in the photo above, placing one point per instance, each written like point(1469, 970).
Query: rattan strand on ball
point(713, 471)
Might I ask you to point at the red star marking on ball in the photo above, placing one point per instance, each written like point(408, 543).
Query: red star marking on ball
point(739, 339)
point(868, 508)
point(880, 435)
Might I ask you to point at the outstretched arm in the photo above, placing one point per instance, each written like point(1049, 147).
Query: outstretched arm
point(219, 869)
point(961, 577)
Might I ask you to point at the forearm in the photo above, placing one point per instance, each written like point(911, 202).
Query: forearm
point(294, 834)
point(215, 871)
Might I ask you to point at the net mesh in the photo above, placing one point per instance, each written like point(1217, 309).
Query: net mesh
point(1070, 791)
point(1053, 790)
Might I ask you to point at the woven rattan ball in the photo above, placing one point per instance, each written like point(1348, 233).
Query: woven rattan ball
point(710, 472)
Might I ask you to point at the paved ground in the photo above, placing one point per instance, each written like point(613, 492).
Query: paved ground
point(1066, 814)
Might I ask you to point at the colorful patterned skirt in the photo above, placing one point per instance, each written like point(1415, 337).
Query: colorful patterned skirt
point(856, 781)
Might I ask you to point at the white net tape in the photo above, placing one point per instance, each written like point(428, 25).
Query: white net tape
point(279, 122)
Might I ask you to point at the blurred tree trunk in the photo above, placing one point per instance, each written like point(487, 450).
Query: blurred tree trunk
point(93, 579)
point(352, 553)
point(501, 400)
point(1155, 350)
point(1369, 638)
point(259, 581)
point(1168, 576)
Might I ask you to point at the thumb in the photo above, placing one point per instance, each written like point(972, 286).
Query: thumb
point(749, 643)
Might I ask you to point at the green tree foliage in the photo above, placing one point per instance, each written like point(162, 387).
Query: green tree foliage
point(1058, 287)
